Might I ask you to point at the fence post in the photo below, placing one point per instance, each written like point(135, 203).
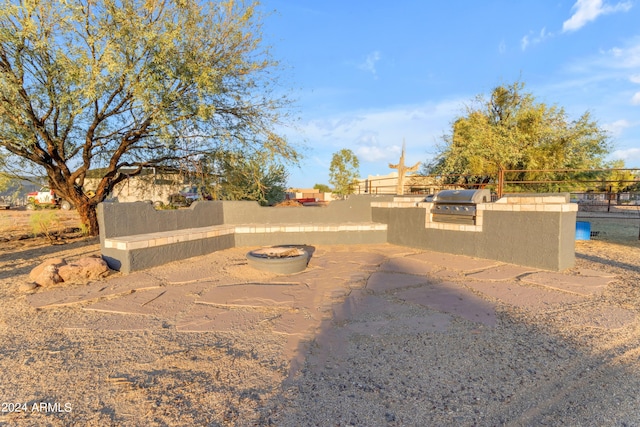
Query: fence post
point(500, 182)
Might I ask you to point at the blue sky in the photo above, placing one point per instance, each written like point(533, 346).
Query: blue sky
point(367, 74)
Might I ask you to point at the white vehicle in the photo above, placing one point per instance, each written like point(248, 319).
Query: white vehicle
point(5, 203)
point(46, 198)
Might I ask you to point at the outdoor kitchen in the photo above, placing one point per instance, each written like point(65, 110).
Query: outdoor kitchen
point(536, 230)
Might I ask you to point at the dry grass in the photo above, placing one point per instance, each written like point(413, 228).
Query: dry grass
point(21, 229)
point(619, 230)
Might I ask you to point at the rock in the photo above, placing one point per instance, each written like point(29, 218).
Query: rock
point(49, 276)
point(83, 269)
point(36, 272)
point(27, 287)
point(56, 270)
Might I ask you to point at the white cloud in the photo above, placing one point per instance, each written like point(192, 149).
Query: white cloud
point(329, 125)
point(375, 154)
point(533, 38)
point(586, 11)
point(376, 135)
point(626, 57)
point(610, 69)
point(613, 64)
point(369, 64)
point(616, 128)
point(629, 155)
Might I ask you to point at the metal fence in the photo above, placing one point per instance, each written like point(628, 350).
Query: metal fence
point(613, 180)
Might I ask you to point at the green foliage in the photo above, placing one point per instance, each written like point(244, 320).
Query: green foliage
point(5, 181)
point(511, 131)
point(343, 172)
point(114, 83)
point(323, 188)
point(617, 179)
point(230, 175)
point(44, 222)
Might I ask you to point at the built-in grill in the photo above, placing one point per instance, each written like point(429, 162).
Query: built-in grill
point(458, 206)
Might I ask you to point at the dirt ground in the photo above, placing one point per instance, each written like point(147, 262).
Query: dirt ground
point(532, 369)
point(21, 228)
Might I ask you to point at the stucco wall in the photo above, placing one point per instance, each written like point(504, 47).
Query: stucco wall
point(537, 239)
point(353, 209)
point(126, 219)
point(311, 238)
point(525, 235)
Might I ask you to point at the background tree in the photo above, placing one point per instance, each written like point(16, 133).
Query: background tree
point(137, 83)
point(511, 130)
point(618, 179)
point(232, 175)
point(323, 188)
point(344, 172)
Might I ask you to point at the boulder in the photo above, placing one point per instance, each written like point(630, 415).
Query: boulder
point(27, 286)
point(83, 269)
point(36, 272)
point(48, 276)
point(56, 270)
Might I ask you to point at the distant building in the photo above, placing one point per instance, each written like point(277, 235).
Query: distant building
point(152, 184)
point(308, 193)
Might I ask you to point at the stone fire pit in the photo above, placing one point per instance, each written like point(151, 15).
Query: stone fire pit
point(279, 259)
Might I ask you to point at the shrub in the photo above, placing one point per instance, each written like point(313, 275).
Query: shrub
point(44, 222)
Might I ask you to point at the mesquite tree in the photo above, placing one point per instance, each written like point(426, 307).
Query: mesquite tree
point(88, 84)
point(510, 130)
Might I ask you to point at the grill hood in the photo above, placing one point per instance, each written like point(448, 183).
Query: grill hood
point(459, 197)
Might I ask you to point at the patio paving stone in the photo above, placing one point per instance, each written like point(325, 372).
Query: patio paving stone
point(454, 262)
point(60, 295)
point(408, 265)
point(581, 285)
point(203, 318)
point(167, 301)
point(116, 322)
point(501, 272)
point(527, 297)
point(251, 295)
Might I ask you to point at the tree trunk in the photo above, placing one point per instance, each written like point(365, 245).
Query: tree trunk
point(89, 218)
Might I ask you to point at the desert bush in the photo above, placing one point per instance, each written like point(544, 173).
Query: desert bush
point(44, 222)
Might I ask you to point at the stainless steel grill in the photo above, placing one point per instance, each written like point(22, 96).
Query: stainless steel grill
point(458, 206)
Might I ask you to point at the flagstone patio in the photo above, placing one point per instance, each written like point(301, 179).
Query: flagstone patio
point(360, 289)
